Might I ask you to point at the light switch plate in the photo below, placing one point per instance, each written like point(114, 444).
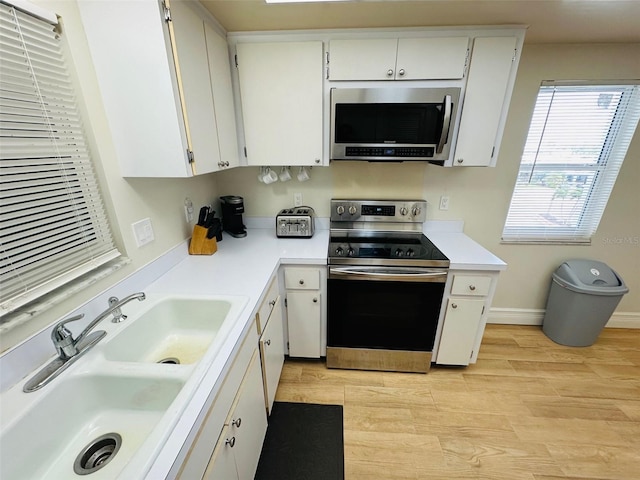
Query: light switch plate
point(143, 232)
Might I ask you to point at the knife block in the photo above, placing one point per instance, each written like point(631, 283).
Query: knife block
point(200, 244)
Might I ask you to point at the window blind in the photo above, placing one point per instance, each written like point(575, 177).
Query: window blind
point(53, 226)
point(577, 142)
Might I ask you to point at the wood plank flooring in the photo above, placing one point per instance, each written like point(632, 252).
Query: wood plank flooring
point(528, 409)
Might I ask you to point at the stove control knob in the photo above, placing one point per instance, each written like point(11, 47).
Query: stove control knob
point(339, 251)
point(351, 252)
point(416, 210)
point(353, 209)
point(399, 253)
point(403, 211)
point(410, 252)
point(340, 209)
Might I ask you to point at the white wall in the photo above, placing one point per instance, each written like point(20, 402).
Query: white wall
point(481, 196)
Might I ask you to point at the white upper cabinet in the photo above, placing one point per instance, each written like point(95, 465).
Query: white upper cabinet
point(191, 61)
point(486, 101)
point(220, 70)
point(425, 58)
point(157, 88)
point(282, 100)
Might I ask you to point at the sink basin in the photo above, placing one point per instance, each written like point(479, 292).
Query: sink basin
point(171, 330)
point(45, 442)
point(115, 406)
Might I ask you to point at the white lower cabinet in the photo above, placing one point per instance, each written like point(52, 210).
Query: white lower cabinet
point(305, 310)
point(469, 296)
point(237, 451)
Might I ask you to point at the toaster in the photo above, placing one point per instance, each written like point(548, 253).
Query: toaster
point(297, 222)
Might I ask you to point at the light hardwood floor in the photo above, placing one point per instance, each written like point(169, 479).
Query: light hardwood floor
point(528, 409)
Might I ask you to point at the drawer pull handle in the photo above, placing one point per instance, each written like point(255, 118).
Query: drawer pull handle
point(472, 287)
point(454, 305)
point(273, 302)
point(237, 423)
point(267, 342)
point(315, 300)
point(230, 441)
point(301, 282)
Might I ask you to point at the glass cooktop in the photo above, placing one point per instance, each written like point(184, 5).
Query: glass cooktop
point(398, 248)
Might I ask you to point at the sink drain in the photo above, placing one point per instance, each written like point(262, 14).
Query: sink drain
point(170, 361)
point(97, 454)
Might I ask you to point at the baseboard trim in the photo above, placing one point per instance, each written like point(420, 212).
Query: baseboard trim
point(530, 316)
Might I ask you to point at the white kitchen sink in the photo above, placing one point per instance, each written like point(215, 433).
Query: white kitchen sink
point(118, 397)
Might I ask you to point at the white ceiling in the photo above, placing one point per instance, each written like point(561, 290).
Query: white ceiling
point(549, 21)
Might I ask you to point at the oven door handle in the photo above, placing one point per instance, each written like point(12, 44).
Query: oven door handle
point(396, 274)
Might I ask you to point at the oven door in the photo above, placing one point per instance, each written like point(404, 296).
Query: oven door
point(383, 308)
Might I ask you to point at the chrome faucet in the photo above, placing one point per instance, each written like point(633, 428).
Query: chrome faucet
point(69, 349)
point(67, 346)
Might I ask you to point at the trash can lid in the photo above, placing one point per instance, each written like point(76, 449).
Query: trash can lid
point(589, 276)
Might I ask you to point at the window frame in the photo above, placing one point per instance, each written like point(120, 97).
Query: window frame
point(604, 171)
point(81, 176)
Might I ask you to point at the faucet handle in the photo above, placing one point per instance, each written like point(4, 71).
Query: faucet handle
point(63, 339)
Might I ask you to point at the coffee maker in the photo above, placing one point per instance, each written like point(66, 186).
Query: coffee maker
point(232, 210)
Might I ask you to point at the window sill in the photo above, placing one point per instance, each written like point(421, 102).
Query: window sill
point(27, 312)
point(583, 243)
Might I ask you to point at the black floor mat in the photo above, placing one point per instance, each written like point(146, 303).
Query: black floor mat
point(304, 442)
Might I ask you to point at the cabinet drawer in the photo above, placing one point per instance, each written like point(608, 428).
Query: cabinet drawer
point(302, 279)
point(470, 285)
point(267, 305)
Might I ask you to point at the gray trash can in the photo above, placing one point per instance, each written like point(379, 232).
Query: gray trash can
point(582, 298)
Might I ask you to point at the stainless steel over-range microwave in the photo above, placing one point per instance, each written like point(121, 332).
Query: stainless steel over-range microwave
point(393, 124)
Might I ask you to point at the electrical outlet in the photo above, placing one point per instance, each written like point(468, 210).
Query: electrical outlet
point(143, 232)
point(297, 199)
point(188, 210)
point(444, 202)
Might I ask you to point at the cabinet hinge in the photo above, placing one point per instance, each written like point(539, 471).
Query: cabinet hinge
point(482, 311)
point(493, 150)
point(190, 156)
point(167, 12)
point(466, 64)
point(235, 58)
point(245, 152)
point(515, 53)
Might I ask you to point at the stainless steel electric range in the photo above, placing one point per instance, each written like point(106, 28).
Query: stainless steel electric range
point(385, 286)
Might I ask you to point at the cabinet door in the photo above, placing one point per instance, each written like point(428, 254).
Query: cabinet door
point(136, 80)
point(220, 72)
point(461, 322)
point(194, 83)
point(303, 320)
point(485, 101)
point(281, 92)
point(249, 423)
point(272, 354)
point(431, 58)
point(373, 59)
point(222, 464)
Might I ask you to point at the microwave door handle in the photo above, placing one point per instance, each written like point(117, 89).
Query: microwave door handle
point(446, 122)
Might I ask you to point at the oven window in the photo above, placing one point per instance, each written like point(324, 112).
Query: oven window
point(414, 123)
point(383, 315)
